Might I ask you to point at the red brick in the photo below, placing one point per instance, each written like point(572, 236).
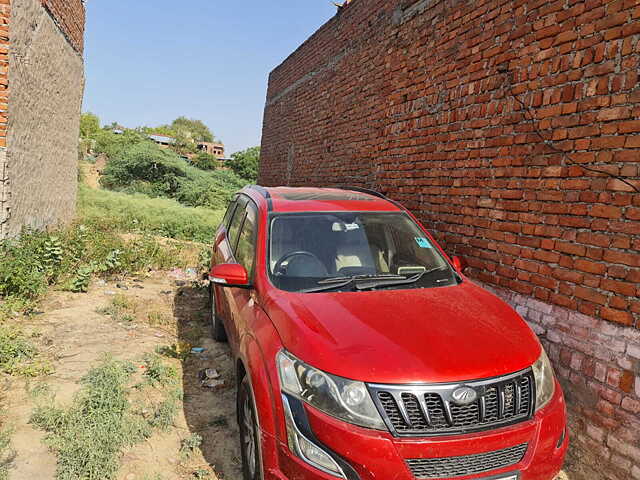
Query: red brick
point(606, 211)
point(618, 316)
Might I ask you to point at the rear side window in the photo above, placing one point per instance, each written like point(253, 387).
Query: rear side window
point(227, 216)
point(245, 251)
point(236, 222)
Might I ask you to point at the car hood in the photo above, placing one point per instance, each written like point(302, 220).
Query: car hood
point(444, 334)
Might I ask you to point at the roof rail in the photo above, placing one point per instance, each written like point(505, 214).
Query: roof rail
point(261, 190)
point(265, 193)
point(365, 190)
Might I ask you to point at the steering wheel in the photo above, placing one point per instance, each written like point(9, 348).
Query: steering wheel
point(280, 269)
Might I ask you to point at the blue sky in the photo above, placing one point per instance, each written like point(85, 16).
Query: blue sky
point(150, 61)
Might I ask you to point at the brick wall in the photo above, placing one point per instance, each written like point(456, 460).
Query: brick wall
point(422, 100)
point(70, 17)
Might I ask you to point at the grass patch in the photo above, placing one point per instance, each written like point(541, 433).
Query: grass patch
point(91, 434)
point(18, 356)
point(138, 213)
point(121, 309)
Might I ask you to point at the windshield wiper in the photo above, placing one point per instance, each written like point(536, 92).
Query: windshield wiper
point(400, 281)
point(382, 276)
point(340, 282)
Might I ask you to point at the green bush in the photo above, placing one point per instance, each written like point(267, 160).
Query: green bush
point(205, 161)
point(138, 213)
point(245, 163)
point(145, 168)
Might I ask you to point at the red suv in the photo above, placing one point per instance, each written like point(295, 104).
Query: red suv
point(363, 352)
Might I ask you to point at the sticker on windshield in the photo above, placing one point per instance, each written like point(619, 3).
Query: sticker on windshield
point(423, 242)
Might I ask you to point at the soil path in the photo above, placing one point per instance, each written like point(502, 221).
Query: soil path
point(75, 337)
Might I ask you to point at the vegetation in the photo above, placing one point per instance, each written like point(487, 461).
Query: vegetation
point(138, 213)
point(245, 163)
point(146, 168)
point(186, 127)
point(102, 421)
point(6, 452)
point(69, 258)
point(205, 161)
point(89, 125)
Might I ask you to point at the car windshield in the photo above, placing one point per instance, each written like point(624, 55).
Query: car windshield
point(312, 252)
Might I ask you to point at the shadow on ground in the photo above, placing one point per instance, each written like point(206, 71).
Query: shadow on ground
point(209, 413)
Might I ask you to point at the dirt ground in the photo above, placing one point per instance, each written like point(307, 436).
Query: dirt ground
point(74, 336)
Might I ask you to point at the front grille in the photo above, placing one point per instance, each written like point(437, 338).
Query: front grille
point(425, 410)
point(468, 465)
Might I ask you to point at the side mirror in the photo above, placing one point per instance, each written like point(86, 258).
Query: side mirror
point(229, 275)
point(459, 264)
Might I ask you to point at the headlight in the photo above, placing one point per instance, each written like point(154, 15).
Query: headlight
point(545, 380)
point(341, 398)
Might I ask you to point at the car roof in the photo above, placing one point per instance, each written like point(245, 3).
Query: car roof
point(313, 199)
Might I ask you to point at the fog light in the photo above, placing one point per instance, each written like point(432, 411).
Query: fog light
point(305, 449)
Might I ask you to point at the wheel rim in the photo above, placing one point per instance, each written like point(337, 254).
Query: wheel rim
point(249, 440)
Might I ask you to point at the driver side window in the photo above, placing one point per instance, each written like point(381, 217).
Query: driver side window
point(245, 251)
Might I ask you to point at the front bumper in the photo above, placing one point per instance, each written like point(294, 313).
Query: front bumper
point(374, 455)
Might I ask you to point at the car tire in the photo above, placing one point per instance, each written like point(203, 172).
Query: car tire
point(249, 432)
point(217, 327)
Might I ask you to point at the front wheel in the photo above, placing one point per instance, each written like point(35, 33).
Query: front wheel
point(217, 327)
point(249, 437)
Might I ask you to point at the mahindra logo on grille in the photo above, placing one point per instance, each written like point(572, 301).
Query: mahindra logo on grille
point(464, 396)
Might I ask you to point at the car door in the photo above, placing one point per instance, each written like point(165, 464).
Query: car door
point(224, 253)
point(243, 298)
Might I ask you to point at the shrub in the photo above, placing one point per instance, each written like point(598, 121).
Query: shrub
point(245, 163)
point(205, 161)
point(146, 168)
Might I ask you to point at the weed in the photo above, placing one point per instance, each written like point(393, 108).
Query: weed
point(91, 434)
point(201, 473)
point(157, 372)
point(7, 454)
point(120, 309)
point(157, 318)
point(17, 354)
point(80, 282)
point(165, 412)
point(180, 350)
point(190, 444)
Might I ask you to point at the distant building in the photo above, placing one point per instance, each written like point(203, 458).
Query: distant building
point(212, 148)
point(163, 140)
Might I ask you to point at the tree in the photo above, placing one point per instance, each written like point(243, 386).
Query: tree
point(205, 161)
point(89, 125)
point(245, 163)
point(195, 129)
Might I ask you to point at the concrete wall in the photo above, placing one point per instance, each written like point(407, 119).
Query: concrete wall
point(421, 99)
point(5, 12)
point(46, 83)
